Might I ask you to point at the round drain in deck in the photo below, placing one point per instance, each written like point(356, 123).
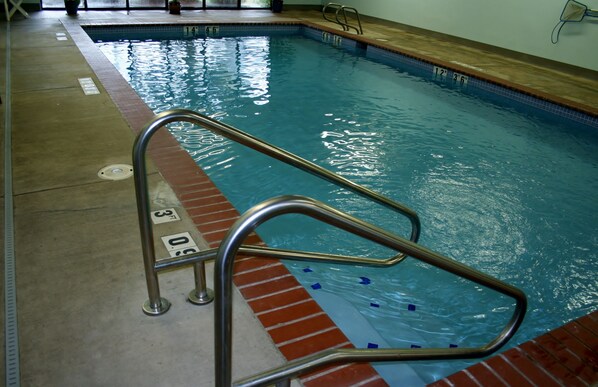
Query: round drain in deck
point(116, 172)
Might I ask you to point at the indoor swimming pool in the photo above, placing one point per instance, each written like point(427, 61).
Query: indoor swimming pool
point(507, 188)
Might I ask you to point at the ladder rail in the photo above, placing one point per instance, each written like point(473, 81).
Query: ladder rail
point(331, 5)
point(269, 209)
point(341, 9)
point(269, 252)
point(155, 304)
point(346, 24)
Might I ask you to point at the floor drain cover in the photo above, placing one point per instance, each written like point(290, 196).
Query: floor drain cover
point(116, 172)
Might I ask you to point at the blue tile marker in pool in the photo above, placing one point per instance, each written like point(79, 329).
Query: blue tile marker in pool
point(374, 305)
point(411, 308)
point(316, 286)
point(372, 345)
point(307, 270)
point(365, 280)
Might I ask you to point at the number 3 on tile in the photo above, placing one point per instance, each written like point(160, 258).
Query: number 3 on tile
point(165, 215)
point(460, 79)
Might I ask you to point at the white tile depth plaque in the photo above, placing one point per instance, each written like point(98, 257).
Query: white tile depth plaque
point(164, 216)
point(179, 244)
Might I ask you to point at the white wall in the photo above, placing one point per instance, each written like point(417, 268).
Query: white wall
point(519, 25)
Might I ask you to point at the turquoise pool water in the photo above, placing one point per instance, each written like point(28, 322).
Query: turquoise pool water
point(507, 191)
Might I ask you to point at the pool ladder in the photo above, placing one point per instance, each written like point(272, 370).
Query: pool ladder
point(342, 9)
point(232, 245)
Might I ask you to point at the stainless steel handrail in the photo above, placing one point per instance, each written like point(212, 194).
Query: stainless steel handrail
point(268, 252)
point(335, 5)
point(272, 208)
point(156, 305)
point(346, 26)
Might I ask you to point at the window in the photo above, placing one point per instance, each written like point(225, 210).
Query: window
point(159, 4)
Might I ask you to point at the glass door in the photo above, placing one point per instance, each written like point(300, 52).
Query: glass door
point(136, 4)
point(238, 4)
point(255, 3)
point(102, 4)
point(221, 4)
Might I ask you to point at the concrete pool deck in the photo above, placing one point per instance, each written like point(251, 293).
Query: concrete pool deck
point(80, 277)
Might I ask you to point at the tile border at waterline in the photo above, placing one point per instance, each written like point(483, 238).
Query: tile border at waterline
point(479, 85)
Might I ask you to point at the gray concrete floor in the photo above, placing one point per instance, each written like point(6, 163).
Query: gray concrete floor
point(79, 266)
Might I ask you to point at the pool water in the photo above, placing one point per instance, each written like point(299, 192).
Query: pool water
point(507, 192)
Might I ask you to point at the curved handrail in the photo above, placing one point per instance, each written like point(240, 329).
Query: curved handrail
point(272, 208)
point(268, 252)
point(156, 305)
point(331, 5)
point(346, 24)
point(273, 151)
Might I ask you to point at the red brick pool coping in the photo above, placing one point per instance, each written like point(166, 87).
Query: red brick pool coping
point(296, 323)
point(566, 356)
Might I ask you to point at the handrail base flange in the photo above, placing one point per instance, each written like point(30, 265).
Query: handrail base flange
point(201, 299)
point(161, 309)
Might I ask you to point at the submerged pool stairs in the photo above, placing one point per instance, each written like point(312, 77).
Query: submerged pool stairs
point(356, 327)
